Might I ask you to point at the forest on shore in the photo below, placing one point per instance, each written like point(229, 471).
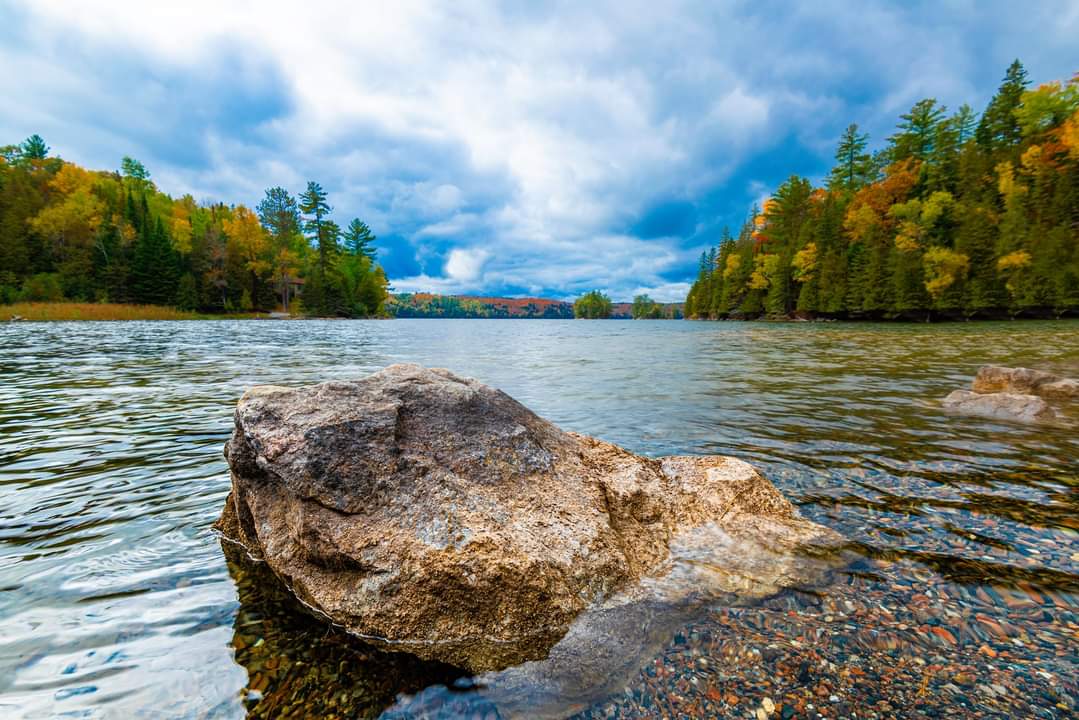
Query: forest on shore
point(68, 233)
point(957, 216)
point(591, 305)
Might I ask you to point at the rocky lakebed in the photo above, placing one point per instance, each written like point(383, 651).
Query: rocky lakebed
point(761, 521)
point(429, 514)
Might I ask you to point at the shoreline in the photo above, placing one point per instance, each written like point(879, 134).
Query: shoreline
point(118, 312)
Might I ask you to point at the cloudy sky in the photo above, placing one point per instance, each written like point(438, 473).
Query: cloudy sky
point(528, 148)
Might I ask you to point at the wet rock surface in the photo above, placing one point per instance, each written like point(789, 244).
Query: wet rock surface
point(1001, 405)
point(1016, 394)
point(434, 515)
point(1024, 381)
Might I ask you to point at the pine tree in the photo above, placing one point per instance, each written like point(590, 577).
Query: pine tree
point(359, 240)
point(314, 206)
point(966, 121)
point(976, 239)
point(280, 214)
point(154, 266)
point(34, 148)
point(917, 131)
point(852, 161)
point(999, 127)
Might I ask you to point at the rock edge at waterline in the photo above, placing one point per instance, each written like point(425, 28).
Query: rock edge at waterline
point(1017, 394)
point(432, 514)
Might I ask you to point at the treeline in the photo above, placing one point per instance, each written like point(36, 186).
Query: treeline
point(596, 305)
point(645, 308)
point(959, 215)
point(76, 234)
point(429, 305)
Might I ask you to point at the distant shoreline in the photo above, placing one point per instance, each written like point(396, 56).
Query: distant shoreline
point(75, 312)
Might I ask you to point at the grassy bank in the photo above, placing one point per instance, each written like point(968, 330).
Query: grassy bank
point(103, 311)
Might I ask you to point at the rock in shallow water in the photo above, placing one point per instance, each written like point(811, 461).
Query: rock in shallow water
point(1024, 381)
point(1000, 406)
point(432, 514)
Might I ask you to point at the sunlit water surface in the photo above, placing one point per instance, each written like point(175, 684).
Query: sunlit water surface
point(116, 599)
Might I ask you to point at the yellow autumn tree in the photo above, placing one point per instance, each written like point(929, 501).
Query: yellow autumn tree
point(71, 224)
point(250, 242)
point(180, 224)
point(804, 263)
point(943, 267)
point(734, 263)
point(765, 266)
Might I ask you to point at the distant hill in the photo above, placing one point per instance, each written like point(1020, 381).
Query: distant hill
point(430, 305)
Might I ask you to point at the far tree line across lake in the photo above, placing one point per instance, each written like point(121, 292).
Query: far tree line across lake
point(957, 216)
point(592, 305)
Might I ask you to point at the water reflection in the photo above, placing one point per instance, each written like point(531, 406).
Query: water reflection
point(298, 666)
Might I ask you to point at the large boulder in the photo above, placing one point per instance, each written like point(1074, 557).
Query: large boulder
point(429, 513)
point(1000, 406)
point(1024, 381)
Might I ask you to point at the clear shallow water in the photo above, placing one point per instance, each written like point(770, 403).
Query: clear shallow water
point(116, 599)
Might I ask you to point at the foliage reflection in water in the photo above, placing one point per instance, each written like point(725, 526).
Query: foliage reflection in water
point(116, 600)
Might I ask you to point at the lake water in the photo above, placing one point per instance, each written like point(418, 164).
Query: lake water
point(116, 599)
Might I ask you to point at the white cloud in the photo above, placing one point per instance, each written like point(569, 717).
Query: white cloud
point(465, 265)
point(667, 292)
point(544, 133)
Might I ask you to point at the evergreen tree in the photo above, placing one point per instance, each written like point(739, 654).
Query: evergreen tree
point(134, 169)
point(999, 127)
point(917, 131)
point(279, 213)
point(154, 266)
point(314, 206)
point(966, 121)
point(958, 215)
point(359, 240)
point(852, 161)
point(34, 148)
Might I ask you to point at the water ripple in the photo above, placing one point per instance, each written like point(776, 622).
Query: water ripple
point(115, 598)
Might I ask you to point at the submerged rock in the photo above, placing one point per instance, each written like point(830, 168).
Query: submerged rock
point(432, 514)
point(1000, 405)
point(1024, 381)
point(1017, 394)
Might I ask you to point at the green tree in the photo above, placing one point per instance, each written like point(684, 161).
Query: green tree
point(135, 174)
point(917, 131)
point(359, 240)
point(852, 161)
point(999, 127)
point(645, 308)
point(187, 294)
point(966, 121)
point(314, 206)
point(153, 269)
point(592, 305)
point(34, 148)
point(279, 214)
